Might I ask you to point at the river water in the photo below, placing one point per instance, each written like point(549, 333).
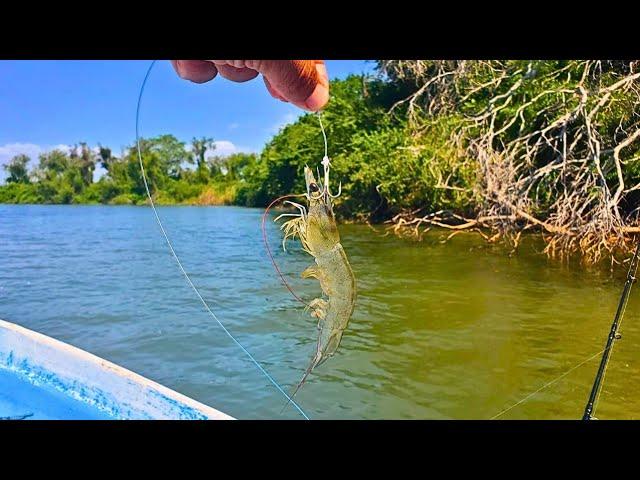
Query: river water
point(449, 330)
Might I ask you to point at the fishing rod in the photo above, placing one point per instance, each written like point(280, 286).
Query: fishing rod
point(613, 336)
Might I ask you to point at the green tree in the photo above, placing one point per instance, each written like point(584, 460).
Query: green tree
point(52, 164)
point(199, 148)
point(236, 164)
point(17, 169)
point(171, 154)
point(105, 157)
point(357, 109)
point(85, 160)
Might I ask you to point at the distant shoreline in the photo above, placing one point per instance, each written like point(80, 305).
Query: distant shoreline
point(132, 205)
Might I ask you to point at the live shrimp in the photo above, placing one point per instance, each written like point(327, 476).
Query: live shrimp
point(315, 226)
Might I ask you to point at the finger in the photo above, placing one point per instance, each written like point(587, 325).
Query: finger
point(272, 91)
point(301, 82)
point(233, 63)
point(320, 95)
point(198, 71)
point(236, 74)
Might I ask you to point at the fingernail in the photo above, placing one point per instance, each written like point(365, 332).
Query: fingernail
point(318, 98)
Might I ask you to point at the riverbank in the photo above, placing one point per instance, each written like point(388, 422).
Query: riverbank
point(497, 147)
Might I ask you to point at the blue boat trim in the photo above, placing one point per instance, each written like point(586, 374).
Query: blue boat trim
point(113, 390)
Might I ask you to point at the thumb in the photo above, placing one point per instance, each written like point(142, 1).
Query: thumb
point(302, 82)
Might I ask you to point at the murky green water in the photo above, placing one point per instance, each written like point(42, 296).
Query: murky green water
point(440, 330)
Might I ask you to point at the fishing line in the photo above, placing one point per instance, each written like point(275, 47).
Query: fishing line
point(324, 135)
point(596, 391)
point(548, 384)
point(182, 269)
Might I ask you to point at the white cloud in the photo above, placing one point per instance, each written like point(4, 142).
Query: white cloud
point(10, 150)
point(224, 148)
point(99, 172)
point(60, 146)
point(234, 125)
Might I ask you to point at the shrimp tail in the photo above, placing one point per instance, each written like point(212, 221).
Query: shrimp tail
point(330, 349)
point(310, 368)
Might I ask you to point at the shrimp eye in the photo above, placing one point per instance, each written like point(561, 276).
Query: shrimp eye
point(314, 187)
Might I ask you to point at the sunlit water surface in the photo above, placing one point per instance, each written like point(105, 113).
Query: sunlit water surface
point(440, 331)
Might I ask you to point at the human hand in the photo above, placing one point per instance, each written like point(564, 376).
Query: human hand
point(302, 82)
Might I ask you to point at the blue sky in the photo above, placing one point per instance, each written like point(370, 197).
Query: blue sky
point(49, 104)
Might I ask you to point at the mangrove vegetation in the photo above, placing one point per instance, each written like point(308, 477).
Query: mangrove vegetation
point(496, 147)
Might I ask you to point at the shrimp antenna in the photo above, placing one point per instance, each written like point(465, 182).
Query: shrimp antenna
point(266, 245)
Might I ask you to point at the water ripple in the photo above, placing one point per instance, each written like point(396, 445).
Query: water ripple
point(439, 331)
